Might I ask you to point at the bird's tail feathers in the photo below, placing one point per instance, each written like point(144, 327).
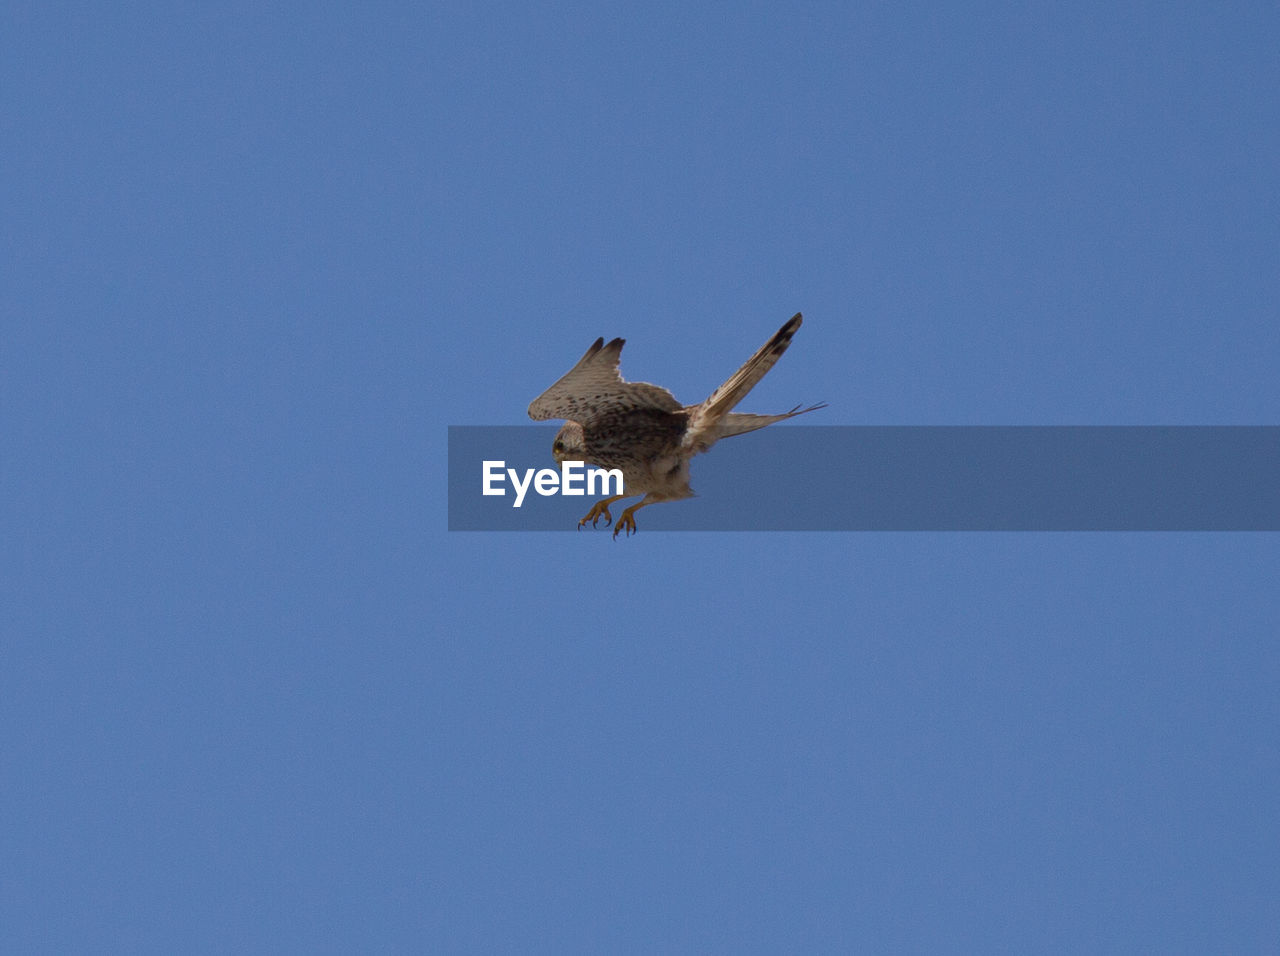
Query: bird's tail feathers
point(738, 423)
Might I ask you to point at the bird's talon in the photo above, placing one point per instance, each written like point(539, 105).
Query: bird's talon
point(598, 510)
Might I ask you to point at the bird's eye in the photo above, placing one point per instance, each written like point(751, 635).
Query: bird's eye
point(558, 446)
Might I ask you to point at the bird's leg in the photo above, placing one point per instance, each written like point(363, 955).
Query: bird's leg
point(600, 510)
point(627, 521)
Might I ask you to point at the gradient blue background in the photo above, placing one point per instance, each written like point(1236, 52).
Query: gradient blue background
point(257, 257)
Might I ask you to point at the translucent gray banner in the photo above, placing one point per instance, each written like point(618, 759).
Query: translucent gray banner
point(920, 478)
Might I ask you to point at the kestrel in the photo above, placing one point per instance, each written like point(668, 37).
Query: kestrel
point(642, 429)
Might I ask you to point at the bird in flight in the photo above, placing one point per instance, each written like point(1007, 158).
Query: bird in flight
point(642, 429)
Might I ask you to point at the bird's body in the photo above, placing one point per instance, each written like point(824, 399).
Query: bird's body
point(641, 429)
point(643, 443)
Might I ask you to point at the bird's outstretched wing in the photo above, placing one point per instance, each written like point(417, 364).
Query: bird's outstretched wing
point(594, 387)
point(705, 420)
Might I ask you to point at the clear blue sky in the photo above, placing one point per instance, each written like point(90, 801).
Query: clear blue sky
point(257, 258)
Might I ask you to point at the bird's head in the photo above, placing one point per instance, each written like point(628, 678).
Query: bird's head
point(570, 444)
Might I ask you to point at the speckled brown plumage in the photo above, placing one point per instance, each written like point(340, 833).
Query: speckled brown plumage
point(641, 429)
